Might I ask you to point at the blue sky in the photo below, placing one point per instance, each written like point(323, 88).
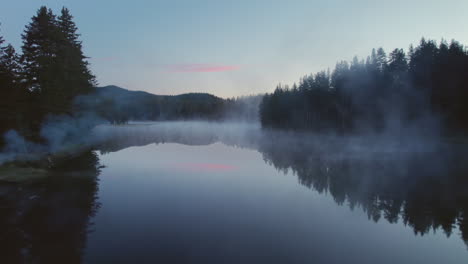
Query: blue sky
point(232, 48)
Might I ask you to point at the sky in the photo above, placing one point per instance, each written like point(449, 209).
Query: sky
point(242, 47)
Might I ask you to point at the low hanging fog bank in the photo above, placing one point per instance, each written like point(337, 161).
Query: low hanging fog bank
point(388, 176)
point(66, 134)
point(251, 135)
point(114, 138)
point(60, 134)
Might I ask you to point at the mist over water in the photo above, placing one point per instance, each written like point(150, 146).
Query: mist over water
point(251, 135)
point(403, 160)
point(62, 133)
point(181, 187)
point(223, 178)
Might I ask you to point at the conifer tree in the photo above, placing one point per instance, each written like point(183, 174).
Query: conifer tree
point(40, 52)
point(56, 69)
point(77, 76)
point(381, 60)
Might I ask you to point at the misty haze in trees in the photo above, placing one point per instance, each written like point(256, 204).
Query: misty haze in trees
point(423, 88)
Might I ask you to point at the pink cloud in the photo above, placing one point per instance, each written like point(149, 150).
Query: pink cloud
point(200, 68)
point(205, 167)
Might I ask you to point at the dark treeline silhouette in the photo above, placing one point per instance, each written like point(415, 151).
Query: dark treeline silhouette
point(46, 77)
point(430, 81)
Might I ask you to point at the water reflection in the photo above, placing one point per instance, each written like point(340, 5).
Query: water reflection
point(425, 191)
point(48, 221)
point(418, 182)
point(115, 138)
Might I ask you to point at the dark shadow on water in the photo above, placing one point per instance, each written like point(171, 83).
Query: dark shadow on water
point(48, 221)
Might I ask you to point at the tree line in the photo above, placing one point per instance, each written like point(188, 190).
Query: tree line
point(46, 77)
point(430, 80)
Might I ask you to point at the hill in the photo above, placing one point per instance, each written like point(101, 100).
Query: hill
point(118, 105)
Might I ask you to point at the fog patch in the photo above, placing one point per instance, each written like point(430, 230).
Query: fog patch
point(60, 133)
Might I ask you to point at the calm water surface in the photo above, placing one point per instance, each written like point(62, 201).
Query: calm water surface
point(215, 200)
point(217, 203)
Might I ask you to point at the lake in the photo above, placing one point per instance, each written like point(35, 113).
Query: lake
point(196, 192)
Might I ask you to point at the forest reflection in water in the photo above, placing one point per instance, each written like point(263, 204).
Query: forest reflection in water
point(421, 184)
point(47, 221)
point(425, 191)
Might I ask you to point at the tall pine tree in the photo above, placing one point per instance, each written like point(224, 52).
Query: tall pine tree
point(40, 51)
point(77, 77)
point(56, 69)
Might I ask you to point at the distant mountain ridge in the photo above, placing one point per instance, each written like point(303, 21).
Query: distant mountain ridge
point(113, 90)
point(119, 105)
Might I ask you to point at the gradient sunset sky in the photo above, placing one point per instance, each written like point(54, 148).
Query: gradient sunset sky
point(231, 48)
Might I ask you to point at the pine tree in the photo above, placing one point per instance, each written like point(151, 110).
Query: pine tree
point(9, 66)
point(397, 61)
point(56, 69)
point(381, 60)
point(72, 48)
point(40, 52)
point(68, 28)
point(75, 73)
point(39, 47)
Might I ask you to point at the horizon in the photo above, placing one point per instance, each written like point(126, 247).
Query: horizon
point(237, 49)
